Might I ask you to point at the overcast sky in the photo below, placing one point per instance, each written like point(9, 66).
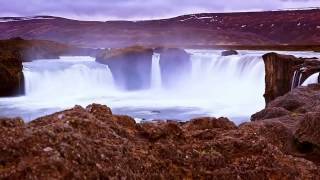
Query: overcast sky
point(139, 9)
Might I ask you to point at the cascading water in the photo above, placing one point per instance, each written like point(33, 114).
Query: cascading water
point(156, 72)
point(234, 84)
point(45, 79)
point(230, 86)
point(313, 79)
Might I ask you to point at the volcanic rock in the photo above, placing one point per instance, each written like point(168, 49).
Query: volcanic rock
point(279, 72)
point(131, 67)
point(11, 76)
point(298, 112)
point(91, 143)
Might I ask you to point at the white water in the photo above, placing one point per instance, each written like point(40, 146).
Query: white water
point(156, 72)
point(311, 80)
point(230, 86)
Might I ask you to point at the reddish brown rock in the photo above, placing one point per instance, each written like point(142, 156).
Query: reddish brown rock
point(269, 113)
point(92, 143)
point(11, 76)
point(308, 135)
point(279, 72)
point(297, 111)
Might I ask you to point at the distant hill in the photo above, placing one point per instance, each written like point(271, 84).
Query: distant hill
point(293, 27)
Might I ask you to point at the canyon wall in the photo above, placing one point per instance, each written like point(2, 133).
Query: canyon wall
point(285, 72)
point(11, 76)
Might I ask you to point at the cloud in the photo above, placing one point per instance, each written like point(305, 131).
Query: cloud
point(139, 9)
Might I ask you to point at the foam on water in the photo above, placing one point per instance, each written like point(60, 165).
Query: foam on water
point(230, 86)
point(311, 80)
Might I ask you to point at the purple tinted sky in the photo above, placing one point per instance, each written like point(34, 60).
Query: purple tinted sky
point(139, 9)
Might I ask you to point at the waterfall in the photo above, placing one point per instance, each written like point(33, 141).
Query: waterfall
point(233, 81)
point(66, 79)
point(156, 72)
point(231, 86)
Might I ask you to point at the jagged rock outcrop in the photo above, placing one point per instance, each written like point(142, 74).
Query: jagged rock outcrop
point(92, 143)
point(175, 63)
point(298, 111)
point(229, 53)
point(11, 76)
point(131, 67)
point(279, 72)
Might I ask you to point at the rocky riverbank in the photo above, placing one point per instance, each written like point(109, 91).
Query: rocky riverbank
point(281, 143)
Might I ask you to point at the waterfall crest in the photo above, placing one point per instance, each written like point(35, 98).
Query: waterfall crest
point(156, 72)
point(231, 86)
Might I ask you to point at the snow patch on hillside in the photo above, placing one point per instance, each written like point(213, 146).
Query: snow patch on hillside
point(14, 19)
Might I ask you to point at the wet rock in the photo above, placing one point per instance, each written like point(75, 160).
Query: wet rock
point(229, 53)
point(131, 67)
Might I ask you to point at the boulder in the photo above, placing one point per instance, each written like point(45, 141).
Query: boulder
point(298, 111)
point(131, 67)
point(175, 66)
point(229, 53)
point(308, 133)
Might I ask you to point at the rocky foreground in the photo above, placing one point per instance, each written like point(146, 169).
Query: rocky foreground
point(282, 142)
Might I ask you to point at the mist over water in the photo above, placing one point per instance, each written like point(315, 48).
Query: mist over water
point(231, 86)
